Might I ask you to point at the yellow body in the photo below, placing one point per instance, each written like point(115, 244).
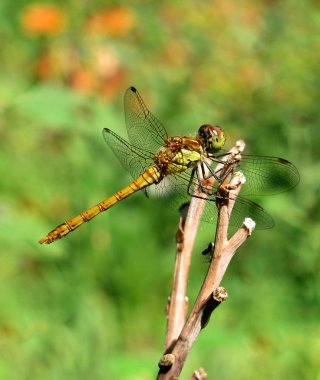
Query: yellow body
point(177, 155)
point(147, 178)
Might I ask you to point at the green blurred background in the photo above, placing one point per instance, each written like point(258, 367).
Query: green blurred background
point(92, 306)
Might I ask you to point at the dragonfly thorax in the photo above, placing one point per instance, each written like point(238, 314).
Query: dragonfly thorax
point(212, 138)
point(178, 154)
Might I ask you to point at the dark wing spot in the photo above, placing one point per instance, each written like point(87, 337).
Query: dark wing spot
point(283, 161)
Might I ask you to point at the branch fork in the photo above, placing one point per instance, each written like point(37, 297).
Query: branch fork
point(181, 332)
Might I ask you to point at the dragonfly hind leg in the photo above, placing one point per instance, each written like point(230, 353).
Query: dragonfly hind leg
point(200, 184)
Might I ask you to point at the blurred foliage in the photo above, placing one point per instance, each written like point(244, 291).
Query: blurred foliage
point(93, 305)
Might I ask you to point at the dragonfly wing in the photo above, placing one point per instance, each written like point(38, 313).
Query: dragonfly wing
point(145, 131)
point(172, 186)
point(244, 208)
point(177, 189)
point(266, 175)
point(133, 159)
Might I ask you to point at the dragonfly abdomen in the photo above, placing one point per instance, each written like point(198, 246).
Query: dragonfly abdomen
point(148, 177)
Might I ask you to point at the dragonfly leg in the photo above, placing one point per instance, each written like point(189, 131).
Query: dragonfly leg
point(225, 174)
point(190, 181)
point(200, 178)
point(215, 158)
point(211, 171)
point(195, 170)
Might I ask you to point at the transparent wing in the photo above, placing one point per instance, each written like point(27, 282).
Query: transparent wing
point(145, 131)
point(133, 159)
point(175, 187)
point(266, 175)
point(174, 190)
point(244, 208)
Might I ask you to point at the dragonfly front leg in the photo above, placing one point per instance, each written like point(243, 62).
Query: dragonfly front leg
point(208, 172)
point(212, 172)
point(225, 172)
point(216, 158)
point(228, 167)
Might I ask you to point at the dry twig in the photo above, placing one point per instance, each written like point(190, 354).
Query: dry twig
point(181, 336)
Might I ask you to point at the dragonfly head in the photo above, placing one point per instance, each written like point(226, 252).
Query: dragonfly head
point(213, 137)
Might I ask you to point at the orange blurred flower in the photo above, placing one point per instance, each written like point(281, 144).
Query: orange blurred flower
point(116, 21)
point(82, 80)
point(43, 19)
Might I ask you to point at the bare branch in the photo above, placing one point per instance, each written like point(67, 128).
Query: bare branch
point(178, 303)
point(210, 295)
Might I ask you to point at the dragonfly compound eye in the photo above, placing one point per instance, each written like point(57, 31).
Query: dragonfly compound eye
point(213, 137)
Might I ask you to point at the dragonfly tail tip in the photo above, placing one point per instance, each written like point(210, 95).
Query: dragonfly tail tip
point(44, 240)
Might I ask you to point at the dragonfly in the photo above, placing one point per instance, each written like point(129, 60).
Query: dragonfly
point(179, 165)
